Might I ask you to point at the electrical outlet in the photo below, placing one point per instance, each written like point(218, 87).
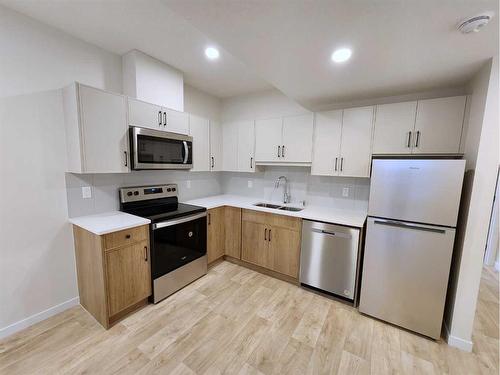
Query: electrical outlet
point(86, 192)
point(250, 184)
point(345, 192)
point(188, 184)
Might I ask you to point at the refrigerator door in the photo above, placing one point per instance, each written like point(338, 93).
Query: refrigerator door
point(422, 191)
point(405, 274)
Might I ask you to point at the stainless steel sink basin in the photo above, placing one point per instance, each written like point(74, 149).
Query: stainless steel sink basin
point(294, 209)
point(267, 205)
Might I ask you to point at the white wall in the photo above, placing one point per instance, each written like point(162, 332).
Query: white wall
point(37, 267)
point(482, 154)
point(36, 57)
point(201, 103)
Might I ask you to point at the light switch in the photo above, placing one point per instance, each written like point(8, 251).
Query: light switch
point(345, 192)
point(188, 184)
point(250, 184)
point(86, 192)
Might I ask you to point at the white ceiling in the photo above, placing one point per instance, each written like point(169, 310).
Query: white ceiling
point(399, 46)
point(149, 26)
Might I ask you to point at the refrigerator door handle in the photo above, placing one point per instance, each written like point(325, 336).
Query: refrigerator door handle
point(407, 225)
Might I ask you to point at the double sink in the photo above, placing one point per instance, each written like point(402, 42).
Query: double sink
point(278, 207)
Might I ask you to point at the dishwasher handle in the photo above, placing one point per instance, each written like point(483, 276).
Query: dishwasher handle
point(336, 234)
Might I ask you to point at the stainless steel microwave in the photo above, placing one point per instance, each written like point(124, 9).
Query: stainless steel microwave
point(154, 149)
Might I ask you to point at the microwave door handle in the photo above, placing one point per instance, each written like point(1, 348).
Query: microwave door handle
point(186, 152)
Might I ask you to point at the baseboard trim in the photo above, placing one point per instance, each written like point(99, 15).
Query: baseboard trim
point(29, 321)
point(457, 342)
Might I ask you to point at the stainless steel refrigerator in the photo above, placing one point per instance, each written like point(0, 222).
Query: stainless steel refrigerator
point(412, 214)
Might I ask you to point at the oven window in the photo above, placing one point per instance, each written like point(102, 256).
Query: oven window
point(174, 246)
point(159, 150)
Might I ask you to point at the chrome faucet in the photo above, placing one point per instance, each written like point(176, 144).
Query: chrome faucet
point(286, 195)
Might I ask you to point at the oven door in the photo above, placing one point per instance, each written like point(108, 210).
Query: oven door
point(154, 149)
point(177, 242)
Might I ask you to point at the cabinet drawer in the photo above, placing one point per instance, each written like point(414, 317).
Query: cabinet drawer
point(292, 223)
point(125, 237)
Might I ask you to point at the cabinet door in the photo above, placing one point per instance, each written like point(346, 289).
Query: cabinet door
point(268, 137)
point(255, 245)
point(199, 130)
point(177, 122)
point(104, 129)
point(246, 146)
point(355, 149)
point(232, 232)
point(128, 276)
point(393, 124)
point(327, 136)
point(297, 138)
point(230, 146)
point(215, 146)
point(438, 127)
point(145, 115)
point(215, 234)
point(284, 245)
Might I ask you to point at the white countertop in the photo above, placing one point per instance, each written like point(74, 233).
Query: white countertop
point(353, 218)
point(108, 222)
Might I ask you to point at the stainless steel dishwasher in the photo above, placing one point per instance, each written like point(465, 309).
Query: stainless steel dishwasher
point(329, 258)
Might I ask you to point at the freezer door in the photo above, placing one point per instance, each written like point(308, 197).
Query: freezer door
point(405, 274)
point(422, 191)
point(328, 257)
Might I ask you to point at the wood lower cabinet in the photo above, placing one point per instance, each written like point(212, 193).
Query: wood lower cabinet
point(271, 241)
point(114, 272)
point(215, 233)
point(232, 229)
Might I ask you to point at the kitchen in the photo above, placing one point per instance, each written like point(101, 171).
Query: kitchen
point(272, 286)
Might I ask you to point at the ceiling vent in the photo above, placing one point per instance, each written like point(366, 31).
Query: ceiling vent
point(474, 24)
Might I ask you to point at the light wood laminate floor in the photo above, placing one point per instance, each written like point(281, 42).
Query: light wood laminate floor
point(237, 321)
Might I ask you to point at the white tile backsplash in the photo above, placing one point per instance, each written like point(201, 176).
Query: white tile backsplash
point(314, 190)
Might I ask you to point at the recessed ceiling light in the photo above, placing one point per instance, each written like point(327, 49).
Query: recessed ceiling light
point(341, 55)
point(212, 53)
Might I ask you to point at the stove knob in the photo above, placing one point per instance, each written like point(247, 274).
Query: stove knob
point(169, 190)
point(136, 192)
point(129, 194)
point(173, 189)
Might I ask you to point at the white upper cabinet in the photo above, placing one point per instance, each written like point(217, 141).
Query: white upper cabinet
point(246, 146)
point(96, 130)
point(394, 125)
point(145, 115)
point(284, 140)
point(199, 130)
point(297, 139)
point(230, 146)
point(326, 150)
point(268, 139)
point(438, 126)
point(177, 122)
point(355, 149)
point(215, 146)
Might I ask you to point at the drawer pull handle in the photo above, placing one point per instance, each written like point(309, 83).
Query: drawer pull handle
point(145, 253)
point(127, 236)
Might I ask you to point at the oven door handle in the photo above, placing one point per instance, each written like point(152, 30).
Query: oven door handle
point(186, 152)
point(180, 220)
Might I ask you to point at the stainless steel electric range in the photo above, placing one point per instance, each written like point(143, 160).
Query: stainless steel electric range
point(178, 236)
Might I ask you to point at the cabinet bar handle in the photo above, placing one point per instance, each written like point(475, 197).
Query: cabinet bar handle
point(159, 118)
point(408, 144)
point(127, 236)
point(336, 159)
point(269, 239)
point(265, 234)
point(279, 149)
point(251, 162)
point(164, 118)
point(126, 158)
point(213, 162)
point(146, 253)
point(417, 139)
point(283, 151)
point(341, 164)
point(209, 219)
